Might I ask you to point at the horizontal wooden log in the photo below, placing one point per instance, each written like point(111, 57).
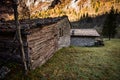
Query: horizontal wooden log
point(43, 47)
point(42, 59)
point(41, 52)
point(39, 43)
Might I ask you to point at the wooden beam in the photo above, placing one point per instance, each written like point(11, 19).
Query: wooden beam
point(18, 32)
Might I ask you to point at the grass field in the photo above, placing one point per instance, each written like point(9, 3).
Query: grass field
point(77, 63)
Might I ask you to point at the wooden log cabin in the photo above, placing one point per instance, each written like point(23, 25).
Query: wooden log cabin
point(41, 39)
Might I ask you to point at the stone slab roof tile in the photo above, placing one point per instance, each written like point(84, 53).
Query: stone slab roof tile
point(84, 32)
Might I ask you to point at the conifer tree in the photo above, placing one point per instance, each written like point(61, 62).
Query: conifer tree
point(109, 28)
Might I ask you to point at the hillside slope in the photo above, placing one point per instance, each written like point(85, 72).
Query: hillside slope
point(74, 9)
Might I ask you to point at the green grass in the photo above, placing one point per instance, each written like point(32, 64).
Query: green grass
point(78, 63)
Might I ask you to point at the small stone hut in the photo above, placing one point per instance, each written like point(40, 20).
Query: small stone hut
point(41, 39)
point(83, 37)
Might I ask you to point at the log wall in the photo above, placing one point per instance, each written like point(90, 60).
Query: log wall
point(43, 42)
point(40, 40)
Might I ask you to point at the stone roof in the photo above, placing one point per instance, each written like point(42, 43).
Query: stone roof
point(84, 32)
point(29, 24)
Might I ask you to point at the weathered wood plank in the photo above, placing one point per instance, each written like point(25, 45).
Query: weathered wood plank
point(42, 59)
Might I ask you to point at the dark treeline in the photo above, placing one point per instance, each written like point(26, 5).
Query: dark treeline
point(109, 27)
point(105, 23)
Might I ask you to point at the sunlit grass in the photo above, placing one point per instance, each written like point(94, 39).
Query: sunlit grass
point(78, 63)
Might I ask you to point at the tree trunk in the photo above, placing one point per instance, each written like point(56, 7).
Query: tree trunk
point(19, 38)
point(109, 38)
point(109, 35)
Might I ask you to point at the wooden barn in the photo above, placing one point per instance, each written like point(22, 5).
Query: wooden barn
point(41, 39)
point(83, 37)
